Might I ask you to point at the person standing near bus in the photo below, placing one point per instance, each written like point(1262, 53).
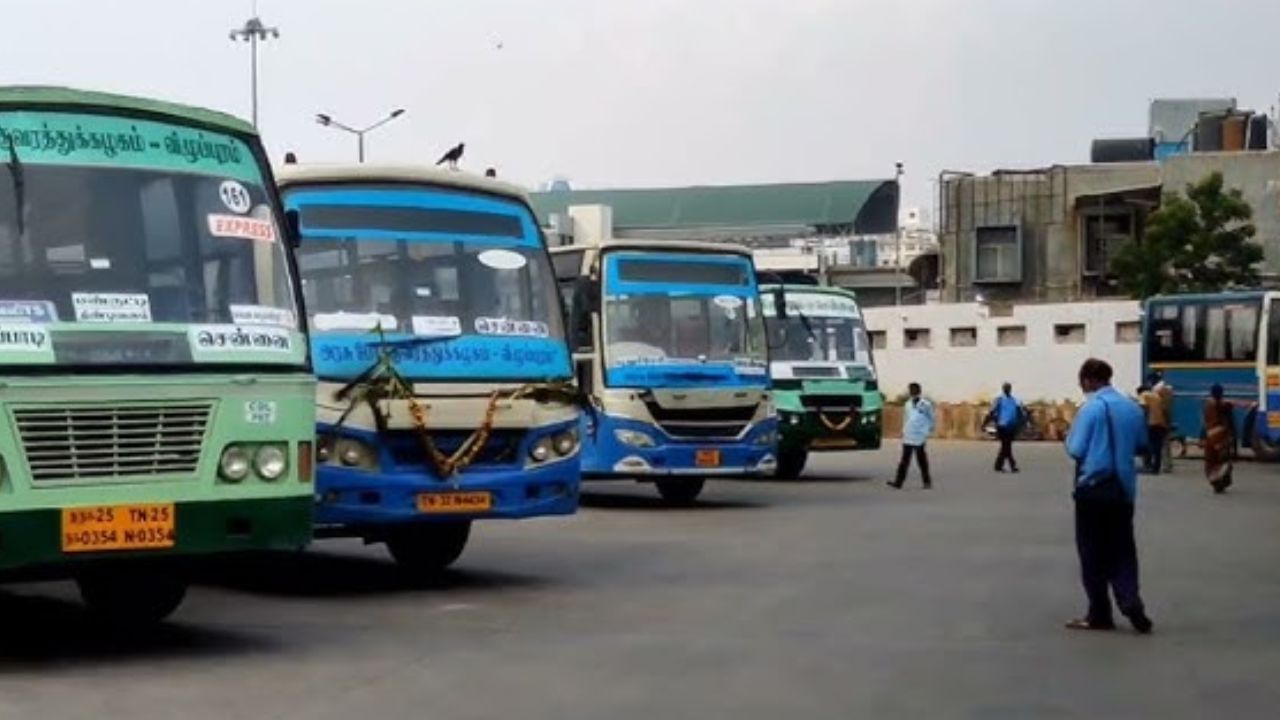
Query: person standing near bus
point(918, 422)
point(1106, 435)
point(1155, 402)
point(1008, 414)
point(1165, 392)
point(1219, 439)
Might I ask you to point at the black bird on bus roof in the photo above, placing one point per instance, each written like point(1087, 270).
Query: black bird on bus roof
point(453, 156)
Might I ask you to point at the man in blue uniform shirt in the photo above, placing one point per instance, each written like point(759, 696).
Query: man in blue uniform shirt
point(918, 422)
point(1008, 414)
point(1107, 433)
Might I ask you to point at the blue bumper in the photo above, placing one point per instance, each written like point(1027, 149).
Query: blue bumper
point(354, 498)
point(604, 455)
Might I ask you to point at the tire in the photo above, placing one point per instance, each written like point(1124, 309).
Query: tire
point(791, 463)
point(429, 548)
point(132, 599)
point(1262, 447)
point(680, 492)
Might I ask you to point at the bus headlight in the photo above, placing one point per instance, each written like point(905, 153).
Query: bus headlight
point(270, 462)
point(354, 453)
point(767, 438)
point(324, 448)
point(565, 443)
point(234, 464)
point(541, 450)
point(634, 438)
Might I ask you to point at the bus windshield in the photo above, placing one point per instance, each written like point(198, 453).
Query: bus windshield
point(683, 310)
point(461, 283)
point(127, 242)
point(819, 327)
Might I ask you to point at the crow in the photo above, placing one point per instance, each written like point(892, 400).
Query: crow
point(453, 156)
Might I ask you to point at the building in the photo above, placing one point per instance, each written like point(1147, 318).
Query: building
point(836, 230)
point(1046, 235)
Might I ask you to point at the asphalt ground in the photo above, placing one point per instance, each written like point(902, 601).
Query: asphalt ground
point(831, 596)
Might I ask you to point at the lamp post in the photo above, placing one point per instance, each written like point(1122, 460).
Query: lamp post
point(252, 32)
point(897, 231)
point(328, 121)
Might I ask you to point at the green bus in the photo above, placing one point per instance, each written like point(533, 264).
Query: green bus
point(156, 396)
point(824, 378)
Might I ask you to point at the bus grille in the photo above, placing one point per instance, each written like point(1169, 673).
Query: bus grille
point(99, 442)
point(405, 448)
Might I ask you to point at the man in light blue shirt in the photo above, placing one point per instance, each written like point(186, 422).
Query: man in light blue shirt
point(1107, 433)
point(1008, 414)
point(917, 425)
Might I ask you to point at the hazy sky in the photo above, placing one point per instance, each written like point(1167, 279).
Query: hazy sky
point(673, 92)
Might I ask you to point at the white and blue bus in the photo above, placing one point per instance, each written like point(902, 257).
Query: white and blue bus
point(447, 275)
point(670, 343)
point(1231, 339)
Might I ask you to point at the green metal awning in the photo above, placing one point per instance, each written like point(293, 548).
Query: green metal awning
point(864, 206)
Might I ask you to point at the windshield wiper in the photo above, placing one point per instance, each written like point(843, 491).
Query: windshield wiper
point(412, 341)
point(19, 182)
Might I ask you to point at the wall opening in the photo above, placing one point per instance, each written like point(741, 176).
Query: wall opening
point(964, 337)
point(1069, 333)
point(915, 339)
point(1011, 336)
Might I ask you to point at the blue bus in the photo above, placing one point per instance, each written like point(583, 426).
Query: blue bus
point(1232, 339)
point(670, 344)
point(439, 283)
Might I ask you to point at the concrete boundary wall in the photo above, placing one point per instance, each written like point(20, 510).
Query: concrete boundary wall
point(961, 352)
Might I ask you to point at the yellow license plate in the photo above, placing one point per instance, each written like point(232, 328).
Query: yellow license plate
point(707, 458)
point(454, 502)
point(102, 528)
point(1273, 419)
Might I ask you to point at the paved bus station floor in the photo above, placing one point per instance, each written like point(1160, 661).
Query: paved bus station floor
point(828, 597)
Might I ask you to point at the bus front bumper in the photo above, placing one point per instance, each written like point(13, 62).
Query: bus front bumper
point(806, 432)
point(348, 500)
point(31, 541)
point(606, 456)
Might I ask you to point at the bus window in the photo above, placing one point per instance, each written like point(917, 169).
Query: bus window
point(1273, 334)
point(1242, 329)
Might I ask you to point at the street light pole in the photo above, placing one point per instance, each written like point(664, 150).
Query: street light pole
point(897, 231)
point(328, 121)
point(251, 32)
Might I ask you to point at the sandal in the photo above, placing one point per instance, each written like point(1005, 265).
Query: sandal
point(1087, 624)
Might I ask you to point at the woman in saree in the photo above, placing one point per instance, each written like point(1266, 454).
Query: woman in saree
point(1219, 441)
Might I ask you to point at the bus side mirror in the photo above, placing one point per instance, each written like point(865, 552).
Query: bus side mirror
point(293, 228)
point(780, 303)
point(586, 302)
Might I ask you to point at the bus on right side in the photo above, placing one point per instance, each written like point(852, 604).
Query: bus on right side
point(1230, 338)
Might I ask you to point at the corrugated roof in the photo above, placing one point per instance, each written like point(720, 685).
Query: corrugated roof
point(736, 206)
point(24, 95)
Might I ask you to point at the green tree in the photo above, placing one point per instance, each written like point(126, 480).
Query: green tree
point(1200, 242)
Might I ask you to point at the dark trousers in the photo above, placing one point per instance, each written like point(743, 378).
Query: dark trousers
point(1006, 436)
point(922, 458)
point(1108, 558)
point(1155, 447)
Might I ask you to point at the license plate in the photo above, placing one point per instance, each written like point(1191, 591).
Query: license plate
point(707, 458)
point(104, 528)
point(454, 502)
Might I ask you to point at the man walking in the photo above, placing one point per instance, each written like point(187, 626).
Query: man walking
point(1008, 414)
point(917, 426)
point(1106, 434)
point(1154, 401)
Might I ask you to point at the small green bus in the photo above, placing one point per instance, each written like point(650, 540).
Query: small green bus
point(156, 398)
point(824, 378)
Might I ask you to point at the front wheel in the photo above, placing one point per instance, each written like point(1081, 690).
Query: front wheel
point(1263, 448)
point(429, 548)
point(680, 491)
point(791, 463)
point(132, 599)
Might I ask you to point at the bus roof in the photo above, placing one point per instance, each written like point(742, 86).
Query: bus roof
point(1209, 297)
point(659, 246)
point(25, 96)
point(318, 173)
point(800, 288)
